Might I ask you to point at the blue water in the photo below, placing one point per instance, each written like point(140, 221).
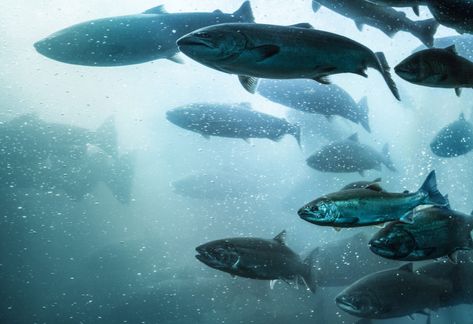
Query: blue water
point(96, 259)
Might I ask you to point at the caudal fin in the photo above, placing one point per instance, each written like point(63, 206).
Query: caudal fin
point(106, 137)
point(425, 31)
point(434, 197)
point(245, 13)
point(384, 68)
point(364, 114)
point(310, 274)
point(387, 158)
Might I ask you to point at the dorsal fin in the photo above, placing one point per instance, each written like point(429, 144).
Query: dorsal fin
point(302, 25)
point(377, 180)
point(452, 49)
point(281, 237)
point(374, 186)
point(407, 267)
point(462, 116)
point(353, 138)
point(159, 10)
point(218, 11)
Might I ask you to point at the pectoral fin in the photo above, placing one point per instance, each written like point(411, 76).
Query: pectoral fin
point(176, 59)
point(249, 83)
point(416, 10)
point(453, 257)
point(271, 284)
point(458, 91)
point(323, 80)
point(263, 52)
point(407, 218)
point(359, 25)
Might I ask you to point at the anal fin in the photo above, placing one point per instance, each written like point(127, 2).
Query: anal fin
point(249, 83)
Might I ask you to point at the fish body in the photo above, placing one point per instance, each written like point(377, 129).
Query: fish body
point(234, 121)
point(349, 156)
point(435, 232)
point(254, 51)
point(386, 19)
point(311, 97)
point(454, 140)
point(456, 14)
point(393, 293)
point(256, 258)
point(438, 68)
point(131, 39)
point(370, 205)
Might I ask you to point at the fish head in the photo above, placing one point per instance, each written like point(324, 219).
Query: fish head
point(413, 69)
point(393, 242)
point(320, 211)
point(183, 117)
point(213, 44)
point(317, 161)
point(360, 301)
point(220, 255)
point(79, 44)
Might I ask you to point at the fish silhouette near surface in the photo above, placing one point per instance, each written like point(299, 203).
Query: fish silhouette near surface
point(386, 19)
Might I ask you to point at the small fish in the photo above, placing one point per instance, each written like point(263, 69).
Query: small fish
point(257, 258)
point(370, 205)
point(454, 139)
point(438, 68)
point(254, 51)
point(234, 121)
point(349, 156)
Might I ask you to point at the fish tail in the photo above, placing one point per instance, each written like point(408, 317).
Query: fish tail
point(425, 31)
point(245, 13)
point(387, 158)
point(364, 110)
point(384, 68)
point(310, 274)
point(434, 197)
point(106, 137)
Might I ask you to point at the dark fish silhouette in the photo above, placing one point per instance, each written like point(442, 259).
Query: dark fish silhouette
point(438, 68)
point(388, 20)
point(311, 97)
point(235, 121)
point(349, 156)
point(435, 232)
point(254, 51)
point(456, 14)
point(132, 39)
point(393, 293)
point(454, 140)
point(257, 258)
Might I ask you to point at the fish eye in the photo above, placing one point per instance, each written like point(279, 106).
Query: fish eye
point(203, 35)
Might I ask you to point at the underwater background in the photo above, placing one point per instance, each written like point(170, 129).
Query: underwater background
point(101, 260)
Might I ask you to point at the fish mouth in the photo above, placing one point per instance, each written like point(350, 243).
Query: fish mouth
point(379, 247)
point(345, 304)
point(192, 41)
